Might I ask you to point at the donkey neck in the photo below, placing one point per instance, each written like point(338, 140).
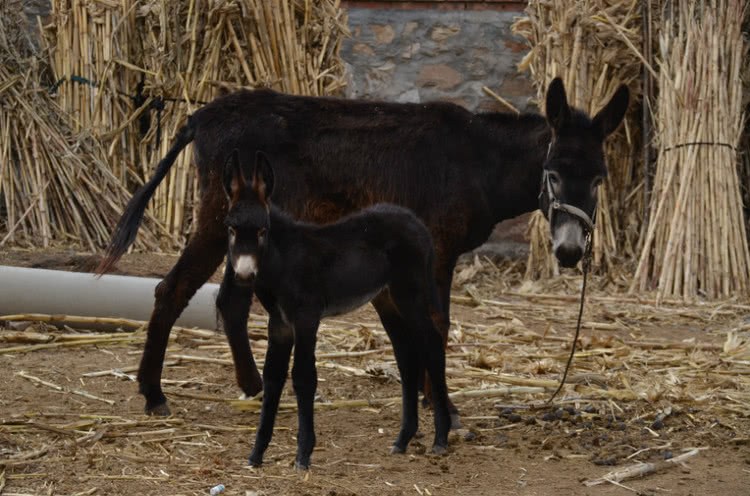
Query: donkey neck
point(514, 151)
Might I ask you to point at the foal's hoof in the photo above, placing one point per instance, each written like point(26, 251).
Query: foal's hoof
point(439, 449)
point(301, 466)
point(398, 450)
point(254, 461)
point(161, 410)
point(456, 421)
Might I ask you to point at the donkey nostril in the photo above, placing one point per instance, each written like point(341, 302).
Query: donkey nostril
point(568, 254)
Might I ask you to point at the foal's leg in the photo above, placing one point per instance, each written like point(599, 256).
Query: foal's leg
point(408, 365)
point(233, 305)
point(305, 381)
point(280, 341)
point(198, 262)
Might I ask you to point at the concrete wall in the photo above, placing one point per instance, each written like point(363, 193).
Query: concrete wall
point(422, 54)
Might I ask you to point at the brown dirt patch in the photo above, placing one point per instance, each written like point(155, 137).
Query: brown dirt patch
point(76, 444)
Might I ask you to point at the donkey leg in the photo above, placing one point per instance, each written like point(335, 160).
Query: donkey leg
point(414, 307)
point(443, 280)
point(434, 352)
point(305, 381)
point(407, 360)
point(233, 304)
point(198, 262)
point(280, 341)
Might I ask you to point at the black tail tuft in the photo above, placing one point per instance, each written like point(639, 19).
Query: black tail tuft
point(128, 225)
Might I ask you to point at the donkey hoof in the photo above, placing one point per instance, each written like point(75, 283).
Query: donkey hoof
point(398, 450)
point(439, 449)
point(161, 410)
point(244, 397)
point(301, 466)
point(255, 461)
point(456, 421)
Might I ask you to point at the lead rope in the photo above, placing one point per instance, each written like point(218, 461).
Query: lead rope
point(585, 266)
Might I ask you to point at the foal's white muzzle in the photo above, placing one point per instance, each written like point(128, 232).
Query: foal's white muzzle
point(245, 266)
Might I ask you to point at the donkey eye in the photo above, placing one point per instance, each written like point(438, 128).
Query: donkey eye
point(554, 178)
point(596, 183)
point(262, 232)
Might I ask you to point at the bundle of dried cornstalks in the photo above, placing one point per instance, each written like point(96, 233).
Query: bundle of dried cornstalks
point(696, 243)
point(130, 72)
point(745, 143)
point(591, 44)
point(54, 186)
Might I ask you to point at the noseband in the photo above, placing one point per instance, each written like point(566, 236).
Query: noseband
point(556, 205)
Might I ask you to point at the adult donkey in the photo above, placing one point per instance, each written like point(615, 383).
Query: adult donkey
point(460, 172)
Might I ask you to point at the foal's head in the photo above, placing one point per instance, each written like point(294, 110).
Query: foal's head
point(249, 191)
point(575, 168)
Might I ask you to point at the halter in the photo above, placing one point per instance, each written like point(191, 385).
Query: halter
point(555, 204)
point(588, 223)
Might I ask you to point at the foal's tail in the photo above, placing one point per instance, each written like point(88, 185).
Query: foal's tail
point(127, 227)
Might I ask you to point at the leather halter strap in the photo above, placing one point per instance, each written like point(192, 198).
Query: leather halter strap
point(557, 205)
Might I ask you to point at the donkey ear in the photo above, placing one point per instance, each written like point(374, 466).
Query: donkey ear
point(233, 178)
point(263, 178)
point(557, 109)
point(612, 114)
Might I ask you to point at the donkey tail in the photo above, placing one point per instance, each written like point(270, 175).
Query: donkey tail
point(127, 226)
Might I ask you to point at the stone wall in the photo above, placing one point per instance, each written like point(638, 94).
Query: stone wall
point(417, 55)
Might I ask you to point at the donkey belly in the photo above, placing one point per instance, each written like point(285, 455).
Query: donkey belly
point(349, 303)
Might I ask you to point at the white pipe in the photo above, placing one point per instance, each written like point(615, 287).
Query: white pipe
point(24, 290)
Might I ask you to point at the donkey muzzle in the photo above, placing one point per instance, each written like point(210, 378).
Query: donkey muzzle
point(569, 242)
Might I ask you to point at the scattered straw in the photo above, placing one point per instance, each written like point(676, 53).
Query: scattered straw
point(641, 469)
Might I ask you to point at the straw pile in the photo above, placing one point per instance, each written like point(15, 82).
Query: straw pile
point(696, 243)
point(54, 185)
point(745, 144)
point(129, 72)
point(590, 44)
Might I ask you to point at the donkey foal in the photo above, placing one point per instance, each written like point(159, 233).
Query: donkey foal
point(303, 272)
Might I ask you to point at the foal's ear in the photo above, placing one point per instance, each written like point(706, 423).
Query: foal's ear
point(612, 114)
point(557, 108)
point(263, 177)
point(234, 181)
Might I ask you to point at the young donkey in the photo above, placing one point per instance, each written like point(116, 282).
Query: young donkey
point(303, 272)
point(458, 171)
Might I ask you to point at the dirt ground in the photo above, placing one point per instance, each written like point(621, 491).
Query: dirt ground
point(648, 383)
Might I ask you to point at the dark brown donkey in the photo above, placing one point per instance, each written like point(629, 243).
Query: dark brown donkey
point(460, 172)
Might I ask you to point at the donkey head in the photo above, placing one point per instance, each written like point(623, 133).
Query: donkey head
point(574, 169)
point(249, 191)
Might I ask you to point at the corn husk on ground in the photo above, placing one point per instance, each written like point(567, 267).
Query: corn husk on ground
point(696, 243)
point(646, 379)
point(590, 45)
point(55, 186)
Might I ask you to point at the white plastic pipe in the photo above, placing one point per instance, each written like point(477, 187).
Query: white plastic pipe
point(24, 290)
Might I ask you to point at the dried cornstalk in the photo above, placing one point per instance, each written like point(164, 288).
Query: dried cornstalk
point(175, 55)
point(54, 185)
point(590, 44)
point(696, 243)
